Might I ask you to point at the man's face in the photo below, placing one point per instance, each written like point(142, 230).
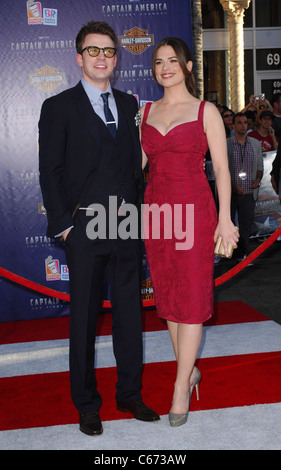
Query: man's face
point(97, 70)
point(240, 125)
point(266, 122)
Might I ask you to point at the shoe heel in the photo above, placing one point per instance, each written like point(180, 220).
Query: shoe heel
point(197, 391)
point(196, 382)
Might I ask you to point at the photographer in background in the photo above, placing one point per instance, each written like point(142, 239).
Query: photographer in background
point(246, 170)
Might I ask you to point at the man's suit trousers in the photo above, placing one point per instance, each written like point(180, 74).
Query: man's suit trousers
point(90, 262)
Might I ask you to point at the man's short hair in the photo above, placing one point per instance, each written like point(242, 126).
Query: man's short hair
point(94, 27)
point(238, 115)
point(265, 113)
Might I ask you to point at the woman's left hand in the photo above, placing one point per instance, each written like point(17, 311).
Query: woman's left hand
point(229, 234)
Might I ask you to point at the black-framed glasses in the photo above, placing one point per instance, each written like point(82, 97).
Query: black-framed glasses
point(228, 115)
point(94, 51)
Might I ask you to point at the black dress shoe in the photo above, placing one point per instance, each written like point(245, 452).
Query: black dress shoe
point(90, 423)
point(138, 409)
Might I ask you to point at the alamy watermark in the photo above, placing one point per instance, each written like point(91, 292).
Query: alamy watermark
point(154, 221)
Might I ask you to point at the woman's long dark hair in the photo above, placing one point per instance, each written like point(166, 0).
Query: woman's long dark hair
point(183, 55)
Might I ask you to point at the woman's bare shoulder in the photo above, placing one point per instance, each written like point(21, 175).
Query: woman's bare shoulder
point(211, 109)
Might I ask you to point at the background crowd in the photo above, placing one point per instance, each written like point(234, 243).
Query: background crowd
point(256, 111)
point(250, 133)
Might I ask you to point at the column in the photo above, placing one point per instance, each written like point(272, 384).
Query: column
point(197, 38)
point(235, 14)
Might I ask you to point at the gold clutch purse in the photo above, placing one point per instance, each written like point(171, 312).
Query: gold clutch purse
point(219, 249)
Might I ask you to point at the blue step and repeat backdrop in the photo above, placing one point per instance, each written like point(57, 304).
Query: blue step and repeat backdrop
point(38, 60)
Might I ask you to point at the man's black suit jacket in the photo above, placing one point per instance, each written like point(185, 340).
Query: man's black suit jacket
point(69, 148)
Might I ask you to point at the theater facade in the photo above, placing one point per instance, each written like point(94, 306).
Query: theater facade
point(261, 50)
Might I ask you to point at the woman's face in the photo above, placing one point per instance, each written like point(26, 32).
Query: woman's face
point(227, 118)
point(167, 69)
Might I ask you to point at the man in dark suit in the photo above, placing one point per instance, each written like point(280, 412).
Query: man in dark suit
point(86, 157)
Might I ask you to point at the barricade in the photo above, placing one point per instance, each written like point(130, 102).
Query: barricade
point(146, 303)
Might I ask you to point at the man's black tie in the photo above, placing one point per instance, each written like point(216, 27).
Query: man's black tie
point(110, 121)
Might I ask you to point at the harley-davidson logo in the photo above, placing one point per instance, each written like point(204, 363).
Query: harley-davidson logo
point(136, 40)
point(147, 290)
point(47, 78)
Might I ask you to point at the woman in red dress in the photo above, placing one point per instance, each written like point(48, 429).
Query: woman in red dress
point(176, 132)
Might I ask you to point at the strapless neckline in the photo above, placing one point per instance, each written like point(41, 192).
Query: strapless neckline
point(173, 128)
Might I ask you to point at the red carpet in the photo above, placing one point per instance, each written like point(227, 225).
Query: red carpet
point(57, 328)
point(44, 400)
point(228, 381)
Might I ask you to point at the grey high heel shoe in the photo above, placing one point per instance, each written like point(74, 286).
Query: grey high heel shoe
point(176, 419)
point(180, 419)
